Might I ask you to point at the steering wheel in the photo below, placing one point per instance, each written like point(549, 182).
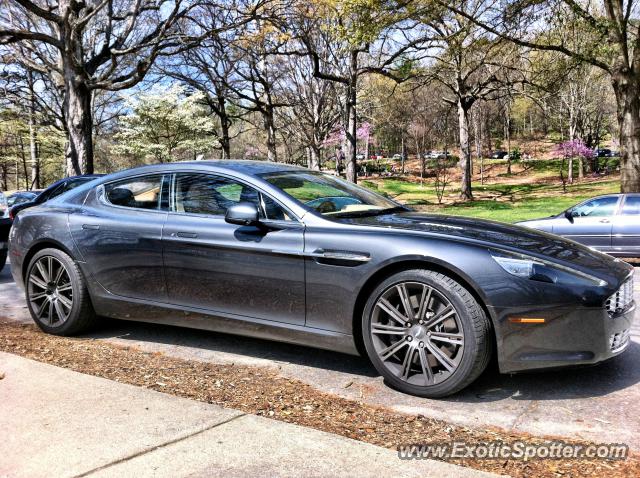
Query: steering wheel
point(326, 206)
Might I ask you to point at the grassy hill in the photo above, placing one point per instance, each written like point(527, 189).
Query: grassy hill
point(533, 190)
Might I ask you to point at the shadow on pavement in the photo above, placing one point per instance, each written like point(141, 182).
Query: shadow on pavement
point(234, 344)
point(598, 380)
point(615, 374)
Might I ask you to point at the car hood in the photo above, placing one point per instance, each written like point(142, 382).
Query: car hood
point(528, 222)
point(506, 237)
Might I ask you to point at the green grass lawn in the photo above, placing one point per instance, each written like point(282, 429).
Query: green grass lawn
point(501, 202)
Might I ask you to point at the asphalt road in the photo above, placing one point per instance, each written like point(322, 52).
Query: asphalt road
point(600, 403)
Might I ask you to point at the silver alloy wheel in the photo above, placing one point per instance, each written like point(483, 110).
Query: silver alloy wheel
point(417, 333)
point(50, 291)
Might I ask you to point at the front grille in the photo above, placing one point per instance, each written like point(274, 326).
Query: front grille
point(621, 299)
point(619, 340)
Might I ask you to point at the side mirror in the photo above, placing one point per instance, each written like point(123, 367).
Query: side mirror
point(569, 215)
point(243, 214)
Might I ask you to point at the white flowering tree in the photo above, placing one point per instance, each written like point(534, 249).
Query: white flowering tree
point(167, 124)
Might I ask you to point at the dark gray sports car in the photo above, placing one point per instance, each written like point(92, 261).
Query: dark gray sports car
point(284, 253)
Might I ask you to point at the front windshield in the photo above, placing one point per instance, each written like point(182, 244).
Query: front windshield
point(329, 195)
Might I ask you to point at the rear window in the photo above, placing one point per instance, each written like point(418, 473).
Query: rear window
point(631, 206)
point(145, 192)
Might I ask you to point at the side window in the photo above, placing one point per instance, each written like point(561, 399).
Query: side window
point(139, 193)
point(631, 206)
point(598, 207)
point(212, 195)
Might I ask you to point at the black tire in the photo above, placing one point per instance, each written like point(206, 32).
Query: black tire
point(3, 259)
point(81, 316)
point(471, 323)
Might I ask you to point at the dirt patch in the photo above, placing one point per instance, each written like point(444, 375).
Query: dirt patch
point(262, 391)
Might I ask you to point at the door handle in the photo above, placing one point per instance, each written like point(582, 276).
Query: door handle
point(605, 221)
point(188, 235)
point(91, 226)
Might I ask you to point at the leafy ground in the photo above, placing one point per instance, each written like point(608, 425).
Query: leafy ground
point(533, 190)
point(262, 391)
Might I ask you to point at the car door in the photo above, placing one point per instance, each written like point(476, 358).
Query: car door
point(625, 234)
point(235, 270)
point(591, 222)
point(119, 233)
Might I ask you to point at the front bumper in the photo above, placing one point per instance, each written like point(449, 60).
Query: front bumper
point(568, 337)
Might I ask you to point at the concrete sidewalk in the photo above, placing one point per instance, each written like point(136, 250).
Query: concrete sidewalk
point(56, 422)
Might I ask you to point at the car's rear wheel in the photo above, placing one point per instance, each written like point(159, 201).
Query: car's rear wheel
point(57, 295)
point(426, 334)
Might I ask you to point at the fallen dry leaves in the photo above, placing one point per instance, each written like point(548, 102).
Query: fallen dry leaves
point(262, 391)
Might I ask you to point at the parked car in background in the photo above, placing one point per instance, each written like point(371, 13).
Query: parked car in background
point(20, 197)
point(397, 156)
point(609, 224)
point(499, 154)
point(5, 225)
point(57, 188)
point(438, 154)
point(604, 153)
point(360, 156)
point(6, 202)
point(4, 210)
point(280, 252)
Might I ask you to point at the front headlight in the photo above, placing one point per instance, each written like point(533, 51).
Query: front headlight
point(533, 268)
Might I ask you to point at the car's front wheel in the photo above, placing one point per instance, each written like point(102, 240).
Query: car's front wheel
point(57, 295)
point(425, 333)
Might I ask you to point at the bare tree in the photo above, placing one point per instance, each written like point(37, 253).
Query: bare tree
point(442, 177)
point(472, 66)
point(93, 45)
point(313, 112)
point(384, 47)
point(605, 34)
point(210, 69)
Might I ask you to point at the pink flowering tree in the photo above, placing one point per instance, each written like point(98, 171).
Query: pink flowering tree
point(337, 137)
point(570, 150)
point(251, 152)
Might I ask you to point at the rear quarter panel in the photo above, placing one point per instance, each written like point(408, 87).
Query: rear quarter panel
point(35, 229)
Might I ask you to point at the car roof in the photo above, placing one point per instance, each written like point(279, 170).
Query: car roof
point(240, 166)
point(69, 178)
point(246, 166)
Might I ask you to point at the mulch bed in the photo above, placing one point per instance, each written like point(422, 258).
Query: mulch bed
point(262, 391)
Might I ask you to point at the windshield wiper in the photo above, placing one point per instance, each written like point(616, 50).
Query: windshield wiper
point(370, 212)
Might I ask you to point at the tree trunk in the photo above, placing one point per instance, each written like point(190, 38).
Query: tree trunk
point(225, 140)
point(79, 124)
point(477, 132)
point(627, 90)
point(570, 171)
point(507, 135)
point(25, 171)
point(270, 128)
point(314, 157)
point(366, 148)
point(403, 154)
point(580, 168)
point(350, 145)
point(465, 150)
point(33, 135)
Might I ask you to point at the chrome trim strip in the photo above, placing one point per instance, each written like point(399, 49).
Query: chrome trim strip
point(340, 255)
